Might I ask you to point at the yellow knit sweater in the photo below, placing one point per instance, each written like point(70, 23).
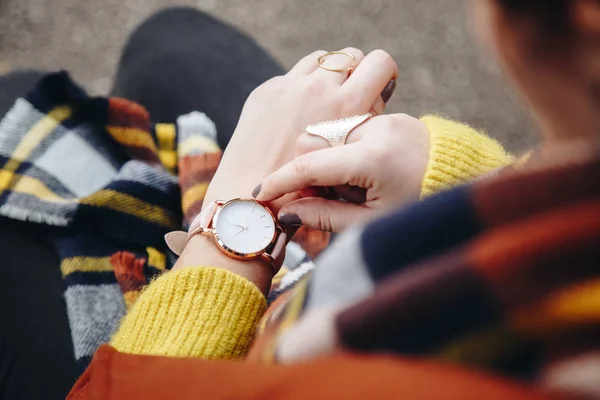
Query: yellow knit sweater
point(209, 312)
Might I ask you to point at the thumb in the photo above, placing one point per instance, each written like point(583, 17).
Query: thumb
point(323, 214)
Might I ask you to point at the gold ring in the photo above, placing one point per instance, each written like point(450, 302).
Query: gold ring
point(322, 59)
point(336, 131)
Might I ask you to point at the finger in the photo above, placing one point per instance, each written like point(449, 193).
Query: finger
point(308, 143)
point(371, 77)
point(307, 64)
point(325, 215)
point(329, 167)
point(339, 61)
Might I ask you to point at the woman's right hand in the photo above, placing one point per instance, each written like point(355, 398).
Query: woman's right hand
point(384, 161)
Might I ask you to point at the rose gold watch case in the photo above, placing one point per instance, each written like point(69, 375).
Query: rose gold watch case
point(232, 253)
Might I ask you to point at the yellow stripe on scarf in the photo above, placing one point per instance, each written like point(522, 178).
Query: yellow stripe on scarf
point(130, 205)
point(36, 134)
point(132, 137)
point(28, 185)
point(192, 195)
point(574, 307)
point(198, 144)
point(156, 258)
point(165, 134)
point(292, 314)
point(85, 264)
point(168, 158)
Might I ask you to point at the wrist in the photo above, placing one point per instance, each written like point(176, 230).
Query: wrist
point(228, 183)
point(201, 251)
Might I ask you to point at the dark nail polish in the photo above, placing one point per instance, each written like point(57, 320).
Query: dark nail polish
point(387, 93)
point(290, 219)
point(256, 191)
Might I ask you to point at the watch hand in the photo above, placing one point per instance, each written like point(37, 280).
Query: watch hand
point(240, 231)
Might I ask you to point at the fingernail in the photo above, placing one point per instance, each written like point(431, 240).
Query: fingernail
point(256, 191)
point(290, 219)
point(387, 93)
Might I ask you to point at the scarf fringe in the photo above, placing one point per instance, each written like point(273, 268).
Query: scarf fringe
point(21, 214)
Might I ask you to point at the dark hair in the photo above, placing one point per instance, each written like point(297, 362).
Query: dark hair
point(551, 15)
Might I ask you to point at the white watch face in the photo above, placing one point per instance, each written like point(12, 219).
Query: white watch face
point(245, 227)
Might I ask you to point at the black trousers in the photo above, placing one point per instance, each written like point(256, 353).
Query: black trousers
point(177, 61)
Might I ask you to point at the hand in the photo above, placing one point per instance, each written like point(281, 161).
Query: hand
point(273, 118)
point(276, 113)
point(385, 158)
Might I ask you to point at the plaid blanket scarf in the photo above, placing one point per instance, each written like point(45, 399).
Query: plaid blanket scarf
point(113, 184)
point(502, 275)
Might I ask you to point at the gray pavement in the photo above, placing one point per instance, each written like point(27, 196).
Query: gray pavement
point(441, 67)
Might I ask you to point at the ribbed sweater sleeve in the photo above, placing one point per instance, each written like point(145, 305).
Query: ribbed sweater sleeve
point(457, 154)
point(200, 312)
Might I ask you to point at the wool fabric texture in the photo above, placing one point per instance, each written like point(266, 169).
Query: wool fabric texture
point(185, 301)
point(98, 171)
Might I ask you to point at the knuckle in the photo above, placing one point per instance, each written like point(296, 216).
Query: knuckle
point(324, 221)
point(358, 53)
point(408, 123)
point(302, 168)
point(388, 123)
point(353, 105)
point(312, 56)
point(390, 130)
point(383, 57)
point(314, 87)
point(401, 117)
point(273, 86)
point(379, 153)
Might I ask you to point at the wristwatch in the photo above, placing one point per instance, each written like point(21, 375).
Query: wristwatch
point(243, 229)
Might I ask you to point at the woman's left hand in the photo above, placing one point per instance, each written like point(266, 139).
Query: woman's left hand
point(384, 161)
point(276, 113)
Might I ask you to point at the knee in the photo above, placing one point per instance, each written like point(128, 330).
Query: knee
point(175, 16)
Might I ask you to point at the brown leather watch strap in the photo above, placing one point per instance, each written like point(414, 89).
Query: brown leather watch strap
point(278, 252)
point(203, 220)
point(177, 240)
